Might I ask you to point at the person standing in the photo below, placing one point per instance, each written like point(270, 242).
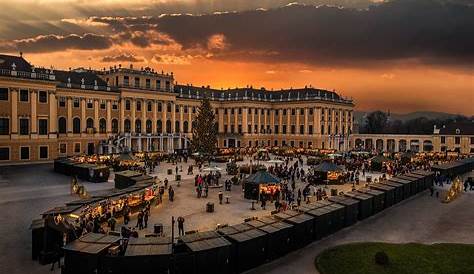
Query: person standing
point(180, 225)
point(145, 218)
point(112, 223)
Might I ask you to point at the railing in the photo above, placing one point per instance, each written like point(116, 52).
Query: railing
point(27, 74)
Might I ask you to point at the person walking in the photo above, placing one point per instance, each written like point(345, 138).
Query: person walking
point(140, 220)
point(112, 221)
point(180, 225)
point(145, 218)
point(171, 193)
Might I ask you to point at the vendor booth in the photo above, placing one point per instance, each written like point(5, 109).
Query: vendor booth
point(261, 183)
point(326, 172)
point(379, 163)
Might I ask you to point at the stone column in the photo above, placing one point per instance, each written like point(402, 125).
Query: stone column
point(221, 120)
point(236, 119)
point(228, 120)
point(122, 116)
point(272, 120)
point(69, 115)
point(134, 109)
point(96, 116)
point(317, 120)
point(163, 118)
point(155, 117)
point(108, 128)
point(306, 123)
point(288, 121)
point(259, 120)
point(14, 105)
point(33, 103)
point(83, 115)
point(53, 115)
point(173, 117)
point(144, 111)
point(244, 120)
point(181, 119)
point(280, 121)
point(190, 119)
point(252, 127)
point(297, 122)
point(265, 120)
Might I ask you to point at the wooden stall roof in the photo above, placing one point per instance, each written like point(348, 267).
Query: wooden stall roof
point(208, 244)
point(38, 223)
point(299, 219)
point(198, 236)
point(256, 223)
point(370, 191)
point(403, 178)
point(247, 235)
point(128, 173)
point(268, 219)
point(151, 246)
point(423, 172)
point(228, 230)
point(242, 227)
point(92, 243)
point(281, 225)
point(357, 195)
point(343, 200)
point(384, 187)
point(447, 166)
point(83, 202)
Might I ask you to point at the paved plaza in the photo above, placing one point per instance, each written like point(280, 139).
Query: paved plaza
point(27, 191)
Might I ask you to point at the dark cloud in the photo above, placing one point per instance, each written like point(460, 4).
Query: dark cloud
point(422, 29)
point(51, 43)
point(124, 57)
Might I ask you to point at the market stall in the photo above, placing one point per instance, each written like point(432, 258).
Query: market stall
point(261, 183)
point(326, 172)
point(380, 163)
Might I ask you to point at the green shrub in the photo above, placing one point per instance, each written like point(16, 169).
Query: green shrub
point(381, 258)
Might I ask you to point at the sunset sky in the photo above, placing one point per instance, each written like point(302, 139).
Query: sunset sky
point(404, 55)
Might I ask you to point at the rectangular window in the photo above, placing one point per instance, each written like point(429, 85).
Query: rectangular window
point(137, 82)
point(24, 95)
point(43, 97)
point(43, 152)
point(176, 108)
point(443, 140)
point(149, 106)
point(102, 104)
point(158, 84)
point(240, 129)
point(310, 111)
point(301, 129)
point(114, 105)
point(284, 111)
point(24, 153)
point(62, 148)
point(4, 153)
point(139, 105)
point(225, 128)
point(159, 107)
point(127, 105)
point(249, 129)
point(24, 126)
point(62, 102)
point(276, 129)
point(457, 140)
point(125, 81)
point(4, 126)
point(42, 126)
point(310, 129)
point(77, 147)
point(293, 129)
point(90, 103)
point(293, 111)
point(148, 83)
point(284, 129)
point(168, 86)
point(322, 129)
point(76, 102)
point(472, 140)
point(4, 94)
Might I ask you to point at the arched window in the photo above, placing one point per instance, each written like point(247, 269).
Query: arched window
point(176, 126)
point(159, 107)
point(159, 126)
point(102, 125)
point(138, 126)
point(76, 125)
point(148, 126)
point(89, 123)
point(115, 126)
point(62, 127)
point(168, 126)
point(185, 126)
point(127, 125)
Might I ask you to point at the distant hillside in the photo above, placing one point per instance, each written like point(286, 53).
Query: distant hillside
point(359, 115)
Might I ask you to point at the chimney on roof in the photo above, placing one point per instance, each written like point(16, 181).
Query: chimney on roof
point(21, 54)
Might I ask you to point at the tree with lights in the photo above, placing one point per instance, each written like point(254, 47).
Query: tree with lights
point(204, 139)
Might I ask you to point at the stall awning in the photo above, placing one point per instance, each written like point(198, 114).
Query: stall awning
point(263, 177)
point(326, 166)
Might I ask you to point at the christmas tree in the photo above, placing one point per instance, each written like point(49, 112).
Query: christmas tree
point(204, 139)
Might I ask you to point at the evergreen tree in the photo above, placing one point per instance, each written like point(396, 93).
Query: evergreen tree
point(204, 130)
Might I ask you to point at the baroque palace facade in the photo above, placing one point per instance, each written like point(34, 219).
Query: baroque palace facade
point(46, 114)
